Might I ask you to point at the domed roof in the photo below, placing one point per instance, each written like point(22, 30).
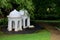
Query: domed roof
point(14, 13)
point(22, 12)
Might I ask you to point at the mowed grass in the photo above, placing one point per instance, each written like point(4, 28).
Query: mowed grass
point(40, 35)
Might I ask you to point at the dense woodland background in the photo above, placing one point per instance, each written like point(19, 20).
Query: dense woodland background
point(38, 9)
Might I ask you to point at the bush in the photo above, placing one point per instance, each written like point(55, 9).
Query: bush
point(3, 21)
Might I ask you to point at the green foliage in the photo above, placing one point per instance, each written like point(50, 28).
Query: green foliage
point(8, 5)
point(27, 4)
point(1, 13)
point(5, 4)
point(41, 9)
point(3, 21)
point(38, 9)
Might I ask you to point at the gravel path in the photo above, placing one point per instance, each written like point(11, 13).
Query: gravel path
point(55, 34)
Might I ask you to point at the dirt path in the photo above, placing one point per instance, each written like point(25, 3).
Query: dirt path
point(55, 34)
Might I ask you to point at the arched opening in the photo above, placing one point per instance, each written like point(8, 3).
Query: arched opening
point(26, 22)
point(18, 24)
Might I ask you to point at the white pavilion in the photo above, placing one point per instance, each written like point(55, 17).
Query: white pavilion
point(18, 20)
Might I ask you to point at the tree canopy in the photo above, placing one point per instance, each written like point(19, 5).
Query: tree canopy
point(38, 9)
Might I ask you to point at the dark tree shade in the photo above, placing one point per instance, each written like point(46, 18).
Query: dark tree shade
point(38, 9)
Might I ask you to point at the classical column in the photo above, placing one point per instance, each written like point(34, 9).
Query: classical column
point(20, 24)
point(28, 22)
point(16, 25)
point(9, 25)
point(24, 23)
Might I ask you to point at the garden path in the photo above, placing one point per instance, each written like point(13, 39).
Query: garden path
point(55, 34)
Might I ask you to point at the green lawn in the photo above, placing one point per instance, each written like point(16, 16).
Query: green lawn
point(41, 35)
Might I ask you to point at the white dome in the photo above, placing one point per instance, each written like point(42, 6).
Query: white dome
point(21, 12)
point(14, 13)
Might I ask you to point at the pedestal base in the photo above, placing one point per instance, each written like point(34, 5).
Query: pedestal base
point(24, 31)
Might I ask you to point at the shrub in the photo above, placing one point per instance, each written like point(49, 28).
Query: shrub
point(3, 21)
